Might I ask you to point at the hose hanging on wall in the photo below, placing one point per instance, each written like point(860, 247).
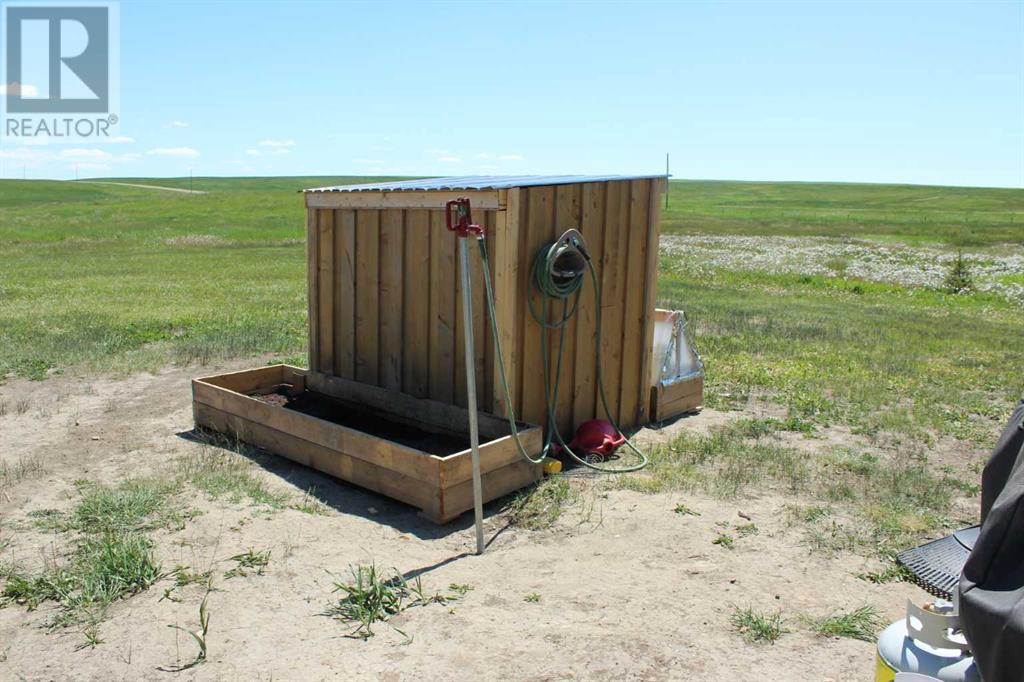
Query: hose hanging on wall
point(558, 271)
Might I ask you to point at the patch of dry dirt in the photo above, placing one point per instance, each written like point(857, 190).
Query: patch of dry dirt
point(630, 590)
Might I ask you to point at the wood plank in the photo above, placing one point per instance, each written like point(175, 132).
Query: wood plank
point(345, 293)
point(341, 465)
point(385, 453)
point(568, 215)
point(633, 323)
point(592, 224)
point(656, 188)
point(391, 290)
point(504, 256)
point(434, 199)
point(367, 295)
point(442, 309)
point(459, 498)
point(431, 415)
point(612, 273)
point(312, 293)
point(538, 230)
point(325, 287)
point(416, 304)
point(494, 454)
point(248, 380)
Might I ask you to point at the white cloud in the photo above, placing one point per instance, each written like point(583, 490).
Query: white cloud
point(121, 139)
point(449, 159)
point(131, 157)
point(85, 154)
point(176, 124)
point(277, 143)
point(510, 157)
point(440, 152)
point(23, 154)
point(89, 166)
point(483, 155)
point(252, 152)
point(179, 152)
point(19, 89)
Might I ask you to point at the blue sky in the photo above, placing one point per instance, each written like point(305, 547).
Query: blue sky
point(919, 92)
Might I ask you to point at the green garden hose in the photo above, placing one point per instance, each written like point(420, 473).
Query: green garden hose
point(554, 284)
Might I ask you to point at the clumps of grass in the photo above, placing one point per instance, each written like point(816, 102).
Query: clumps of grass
point(198, 636)
point(726, 463)
point(755, 428)
point(532, 598)
point(24, 467)
point(683, 510)
point(460, 589)
point(103, 568)
point(862, 623)
point(310, 505)
point(540, 506)
point(225, 475)
point(758, 626)
point(834, 537)
point(809, 514)
point(136, 504)
point(186, 575)
point(92, 638)
point(111, 559)
point(893, 572)
point(747, 529)
point(250, 560)
point(959, 278)
point(371, 596)
point(725, 541)
point(888, 501)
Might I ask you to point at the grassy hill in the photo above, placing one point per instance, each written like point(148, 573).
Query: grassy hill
point(959, 216)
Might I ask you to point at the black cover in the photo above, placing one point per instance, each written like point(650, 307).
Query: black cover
point(992, 584)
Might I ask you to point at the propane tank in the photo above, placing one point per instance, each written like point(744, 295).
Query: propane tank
point(928, 642)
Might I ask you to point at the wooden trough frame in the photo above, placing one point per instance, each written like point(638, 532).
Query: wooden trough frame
point(440, 486)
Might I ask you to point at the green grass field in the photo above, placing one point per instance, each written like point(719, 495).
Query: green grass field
point(958, 216)
point(107, 278)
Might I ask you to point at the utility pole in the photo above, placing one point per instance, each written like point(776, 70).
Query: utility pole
point(190, 181)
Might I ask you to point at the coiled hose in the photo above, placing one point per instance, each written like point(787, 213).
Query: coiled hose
point(551, 288)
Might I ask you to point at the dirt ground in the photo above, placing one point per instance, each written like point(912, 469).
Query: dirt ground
point(628, 589)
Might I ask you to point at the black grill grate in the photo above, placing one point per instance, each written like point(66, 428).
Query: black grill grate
point(936, 565)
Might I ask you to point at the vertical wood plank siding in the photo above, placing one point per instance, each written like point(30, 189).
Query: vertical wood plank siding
point(386, 309)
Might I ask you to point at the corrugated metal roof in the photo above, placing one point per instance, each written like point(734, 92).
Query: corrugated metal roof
point(478, 182)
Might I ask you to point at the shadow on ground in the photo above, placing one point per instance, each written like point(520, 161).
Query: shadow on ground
point(347, 498)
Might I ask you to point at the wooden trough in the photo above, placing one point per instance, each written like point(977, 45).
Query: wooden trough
point(367, 435)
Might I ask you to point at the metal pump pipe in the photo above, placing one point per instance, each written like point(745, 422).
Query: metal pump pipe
point(474, 431)
point(462, 224)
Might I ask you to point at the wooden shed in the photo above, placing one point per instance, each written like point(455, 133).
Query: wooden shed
point(383, 403)
point(385, 302)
